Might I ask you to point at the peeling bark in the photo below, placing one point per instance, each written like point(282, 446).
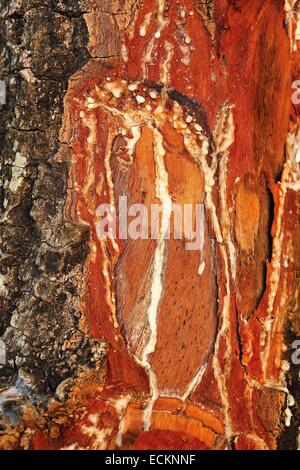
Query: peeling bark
point(141, 344)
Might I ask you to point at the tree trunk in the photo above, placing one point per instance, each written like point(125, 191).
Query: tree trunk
point(130, 341)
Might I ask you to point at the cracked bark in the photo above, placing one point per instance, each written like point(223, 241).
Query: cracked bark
point(205, 366)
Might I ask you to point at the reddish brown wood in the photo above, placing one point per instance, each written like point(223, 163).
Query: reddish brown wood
point(216, 377)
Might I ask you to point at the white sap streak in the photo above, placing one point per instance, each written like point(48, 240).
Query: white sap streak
point(201, 268)
point(277, 248)
point(158, 268)
point(194, 382)
point(165, 66)
point(225, 219)
point(109, 180)
point(131, 143)
point(199, 154)
point(109, 293)
point(223, 332)
point(90, 121)
point(161, 22)
point(106, 266)
point(124, 53)
point(121, 406)
point(224, 137)
point(145, 25)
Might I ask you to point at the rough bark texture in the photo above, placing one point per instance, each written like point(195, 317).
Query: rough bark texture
point(142, 344)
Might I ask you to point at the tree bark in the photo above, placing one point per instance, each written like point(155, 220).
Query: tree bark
point(140, 343)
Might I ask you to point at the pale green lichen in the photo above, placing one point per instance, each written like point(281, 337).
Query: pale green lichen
point(17, 172)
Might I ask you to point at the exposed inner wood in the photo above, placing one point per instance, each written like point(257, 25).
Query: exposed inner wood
point(185, 103)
